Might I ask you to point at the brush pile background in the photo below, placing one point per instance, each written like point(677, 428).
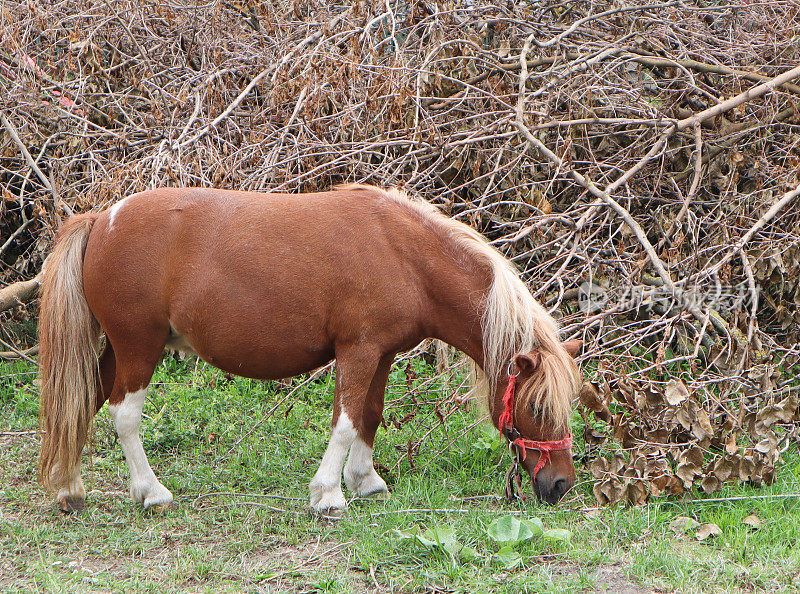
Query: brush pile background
point(693, 387)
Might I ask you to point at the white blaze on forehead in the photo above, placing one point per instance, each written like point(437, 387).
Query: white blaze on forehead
point(113, 211)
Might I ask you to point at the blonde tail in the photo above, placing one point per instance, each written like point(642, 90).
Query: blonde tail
point(68, 366)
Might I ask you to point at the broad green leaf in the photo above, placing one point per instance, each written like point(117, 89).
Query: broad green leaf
point(444, 537)
point(508, 557)
point(534, 525)
point(509, 530)
point(559, 534)
point(452, 548)
point(426, 539)
point(441, 538)
point(404, 534)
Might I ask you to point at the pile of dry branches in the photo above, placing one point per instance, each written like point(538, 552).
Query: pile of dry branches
point(638, 160)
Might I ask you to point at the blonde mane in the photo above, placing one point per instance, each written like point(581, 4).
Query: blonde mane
point(513, 322)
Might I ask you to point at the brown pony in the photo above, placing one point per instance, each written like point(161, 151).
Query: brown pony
point(274, 285)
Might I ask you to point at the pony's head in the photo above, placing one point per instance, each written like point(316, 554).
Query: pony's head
point(539, 427)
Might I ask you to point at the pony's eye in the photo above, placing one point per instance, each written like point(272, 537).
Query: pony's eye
point(536, 410)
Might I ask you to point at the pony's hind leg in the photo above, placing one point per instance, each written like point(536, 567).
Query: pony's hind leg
point(360, 475)
point(72, 496)
point(355, 368)
point(125, 405)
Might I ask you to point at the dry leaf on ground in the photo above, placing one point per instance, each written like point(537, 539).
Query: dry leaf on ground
point(683, 524)
point(708, 531)
point(753, 522)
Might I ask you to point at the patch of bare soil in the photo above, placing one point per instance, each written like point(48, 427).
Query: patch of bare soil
point(11, 577)
point(286, 565)
point(285, 568)
point(611, 579)
point(608, 579)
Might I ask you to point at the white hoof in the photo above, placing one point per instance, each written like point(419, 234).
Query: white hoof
point(367, 485)
point(151, 494)
point(328, 502)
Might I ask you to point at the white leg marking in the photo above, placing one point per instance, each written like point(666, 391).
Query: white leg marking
point(326, 486)
point(359, 473)
point(127, 417)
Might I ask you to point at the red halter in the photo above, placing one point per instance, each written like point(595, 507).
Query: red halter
point(506, 426)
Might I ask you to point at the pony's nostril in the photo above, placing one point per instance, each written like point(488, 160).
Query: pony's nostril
point(559, 488)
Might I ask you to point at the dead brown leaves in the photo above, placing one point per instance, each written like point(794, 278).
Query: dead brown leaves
point(653, 439)
point(683, 525)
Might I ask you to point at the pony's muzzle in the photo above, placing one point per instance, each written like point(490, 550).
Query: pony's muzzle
point(551, 490)
point(554, 478)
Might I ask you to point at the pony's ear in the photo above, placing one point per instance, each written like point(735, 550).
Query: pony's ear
point(527, 362)
point(573, 347)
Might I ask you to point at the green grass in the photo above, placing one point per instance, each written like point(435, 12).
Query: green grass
point(206, 432)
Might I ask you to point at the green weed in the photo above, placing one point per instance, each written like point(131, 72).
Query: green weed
point(240, 477)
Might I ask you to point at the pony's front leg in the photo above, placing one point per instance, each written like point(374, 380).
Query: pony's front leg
point(360, 475)
point(127, 417)
point(354, 371)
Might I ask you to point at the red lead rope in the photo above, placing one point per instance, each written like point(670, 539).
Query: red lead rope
point(506, 426)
